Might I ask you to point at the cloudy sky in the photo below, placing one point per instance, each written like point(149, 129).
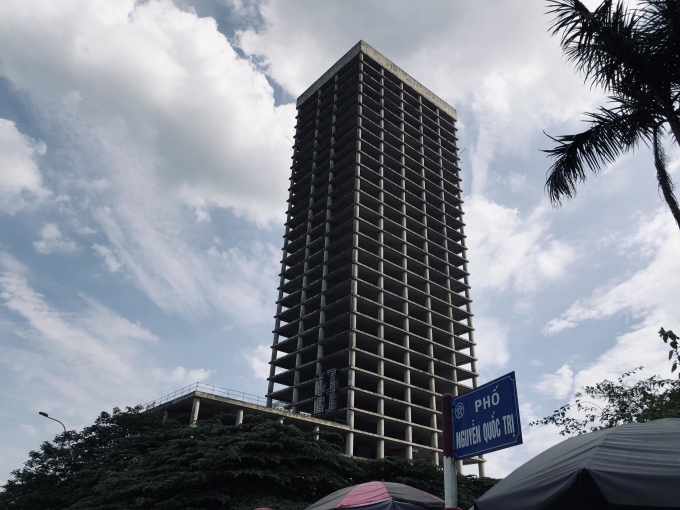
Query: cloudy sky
point(144, 161)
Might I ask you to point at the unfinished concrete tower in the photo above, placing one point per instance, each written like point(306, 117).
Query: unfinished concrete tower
point(373, 319)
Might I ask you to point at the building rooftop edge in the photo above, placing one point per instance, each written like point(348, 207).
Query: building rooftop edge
point(364, 47)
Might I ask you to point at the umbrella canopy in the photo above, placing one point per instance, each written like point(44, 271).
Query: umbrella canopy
point(628, 467)
point(379, 496)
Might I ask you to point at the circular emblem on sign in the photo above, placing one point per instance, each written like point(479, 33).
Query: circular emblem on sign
point(460, 410)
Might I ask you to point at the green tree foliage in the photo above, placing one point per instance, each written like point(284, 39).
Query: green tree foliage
point(634, 54)
point(671, 339)
point(608, 403)
point(130, 459)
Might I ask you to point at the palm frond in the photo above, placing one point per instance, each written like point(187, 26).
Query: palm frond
point(660, 31)
point(660, 24)
point(602, 44)
point(611, 133)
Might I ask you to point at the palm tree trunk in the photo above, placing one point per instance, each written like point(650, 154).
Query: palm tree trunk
point(665, 181)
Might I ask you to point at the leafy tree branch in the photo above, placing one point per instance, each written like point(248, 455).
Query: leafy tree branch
point(622, 401)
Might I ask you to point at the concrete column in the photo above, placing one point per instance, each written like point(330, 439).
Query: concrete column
point(272, 368)
point(407, 373)
point(350, 373)
point(298, 362)
point(380, 449)
point(380, 430)
point(281, 420)
point(482, 467)
point(434, 442)
point(349, 444)
point(194, 411)
point(166, 416)
point(408, 433)
point(381, 391)
point(239, 416)
point(316, 432)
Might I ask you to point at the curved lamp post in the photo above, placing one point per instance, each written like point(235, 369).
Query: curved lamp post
point(46, 416)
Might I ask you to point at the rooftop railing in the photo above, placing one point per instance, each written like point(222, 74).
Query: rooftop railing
point(240, 396)
point(214, 390)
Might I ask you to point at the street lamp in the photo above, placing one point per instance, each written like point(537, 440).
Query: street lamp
point(46, 416)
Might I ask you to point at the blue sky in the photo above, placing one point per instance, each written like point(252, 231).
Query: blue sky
point(144, 161)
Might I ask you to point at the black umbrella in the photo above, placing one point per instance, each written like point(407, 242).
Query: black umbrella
point(630, 467)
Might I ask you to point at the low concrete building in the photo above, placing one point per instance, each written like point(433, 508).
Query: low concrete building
point(200, 401)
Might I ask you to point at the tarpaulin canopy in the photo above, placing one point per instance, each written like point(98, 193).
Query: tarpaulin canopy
point(631, 466)
point(379, 496)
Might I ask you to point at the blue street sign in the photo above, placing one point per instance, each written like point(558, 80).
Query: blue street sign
point(486, 419)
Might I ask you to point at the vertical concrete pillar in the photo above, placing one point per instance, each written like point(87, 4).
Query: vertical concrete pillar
point(380, 429)
point(408, 433)
point(349, 444)
point(239, 416)
point(166, 416)
point(316, 432)
point(194, 411)
point(298, 362)
point(281, 420)
point(434, 442)
point(482, 468)
point(380, 408)
point(351, 382)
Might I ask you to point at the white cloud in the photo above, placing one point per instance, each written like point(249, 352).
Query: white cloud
point(258, 359)
point(28, 429)
point(648, 297)
point(508, 251)
point(536, 440)
point(493, 349)
point(80, 362)
point(165, 85)
point(513, 79)
point(517, 181)
point(52, 240)
point(12, 456)
point(647, 291)
point(166, 123)
point(152, 246)
point(109, 258)
point(639, 347)
point(436, 50)
point(558, 385)
point(21, 182)
point(86, 231)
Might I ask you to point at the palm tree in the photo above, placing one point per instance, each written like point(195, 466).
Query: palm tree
point(634, 54)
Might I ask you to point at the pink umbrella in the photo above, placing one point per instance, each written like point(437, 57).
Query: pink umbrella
point(379, 496)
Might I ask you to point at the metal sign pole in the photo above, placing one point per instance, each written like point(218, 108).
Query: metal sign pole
point(450, 481)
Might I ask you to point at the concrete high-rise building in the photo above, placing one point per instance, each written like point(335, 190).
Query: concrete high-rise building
point(373, 320)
